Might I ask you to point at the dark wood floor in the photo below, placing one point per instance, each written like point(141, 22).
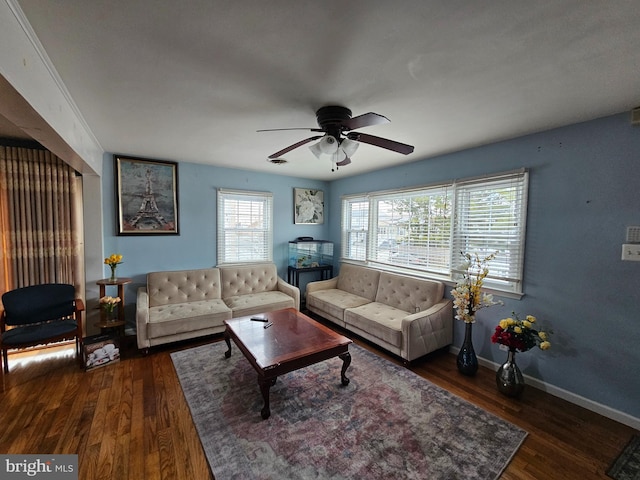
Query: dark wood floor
point(130, 420)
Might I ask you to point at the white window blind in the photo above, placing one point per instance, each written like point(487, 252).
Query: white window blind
point(355, 228)
point(245, 226)
point(412, 229)
point(490, 216)
point(425, 229)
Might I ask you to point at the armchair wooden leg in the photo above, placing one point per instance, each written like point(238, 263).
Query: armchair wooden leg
point(5, 360)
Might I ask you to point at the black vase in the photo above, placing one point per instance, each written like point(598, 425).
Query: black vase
point(509, 377)
point(467, 360)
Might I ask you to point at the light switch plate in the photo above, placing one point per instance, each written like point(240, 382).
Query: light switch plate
point(631, 251)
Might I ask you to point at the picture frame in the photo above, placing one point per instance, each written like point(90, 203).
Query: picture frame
point(308, 206)
point(146, 196)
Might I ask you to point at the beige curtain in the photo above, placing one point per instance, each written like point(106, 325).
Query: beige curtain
point(40, 212)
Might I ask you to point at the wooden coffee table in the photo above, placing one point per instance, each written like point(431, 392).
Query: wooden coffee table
point(292, 341)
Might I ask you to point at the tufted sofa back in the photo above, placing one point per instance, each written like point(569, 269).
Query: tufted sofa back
point(358, 280)
point(166, 288)
point(243, 280)
point(409, 294)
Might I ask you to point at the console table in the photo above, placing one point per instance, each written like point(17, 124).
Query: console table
point(326, 272)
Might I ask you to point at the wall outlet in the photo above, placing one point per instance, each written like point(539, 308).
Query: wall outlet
point(631, 251)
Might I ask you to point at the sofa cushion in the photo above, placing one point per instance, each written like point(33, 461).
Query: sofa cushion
point(166, 288)
point(377, 319)
point(358, 280)
point(252, 304)
point(334, 301)
point(186, 317)
point(243, 280)
point(409, 294)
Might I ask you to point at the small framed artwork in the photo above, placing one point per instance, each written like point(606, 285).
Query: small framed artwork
point(146, 196)
point(308, 206)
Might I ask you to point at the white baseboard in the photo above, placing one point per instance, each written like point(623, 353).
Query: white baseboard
point(578, 400)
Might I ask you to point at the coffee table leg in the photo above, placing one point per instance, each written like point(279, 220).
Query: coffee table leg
point(265, 385)
point(227, 339)
point(346, 361)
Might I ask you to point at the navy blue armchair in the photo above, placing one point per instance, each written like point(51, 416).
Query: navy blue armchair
point(39, 315)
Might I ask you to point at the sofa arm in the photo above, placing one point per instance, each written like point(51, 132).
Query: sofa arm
point(142, 318)
point(322, 285)
point(426, 331)
point(293, 292)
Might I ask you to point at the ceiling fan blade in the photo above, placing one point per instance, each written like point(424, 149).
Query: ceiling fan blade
point(381, 142)
point(283, 129)
point(294, 146)
point(344, 162)
point(365, 120)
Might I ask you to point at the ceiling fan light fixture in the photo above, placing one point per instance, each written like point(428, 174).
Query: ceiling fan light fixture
point(316, 150)
point(349, 147)
point(338, 156)
point(335, 121)
point(328, 145)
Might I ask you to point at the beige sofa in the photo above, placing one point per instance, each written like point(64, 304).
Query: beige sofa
point(178, 305)
point(407, 316)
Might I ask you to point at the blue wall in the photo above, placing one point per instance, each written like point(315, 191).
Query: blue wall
point(582, 196)
point(195, 247)
point(584, 191)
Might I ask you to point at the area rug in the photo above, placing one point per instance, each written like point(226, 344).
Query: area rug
point(387, 423)
point(627, 465)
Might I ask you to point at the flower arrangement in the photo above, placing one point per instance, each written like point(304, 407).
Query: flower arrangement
point(467, 296)
point(109, 304)
point(521, 335)
point(113, 261)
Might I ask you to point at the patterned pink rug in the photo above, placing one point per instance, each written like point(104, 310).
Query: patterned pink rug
point(387, 423)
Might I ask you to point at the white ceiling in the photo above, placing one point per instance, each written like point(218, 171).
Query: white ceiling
point(193, 80)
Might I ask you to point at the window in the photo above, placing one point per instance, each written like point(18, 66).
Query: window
point(355, 224)
point(412, 229)
point(490, 217)
point(425, 229)
point(245, 226)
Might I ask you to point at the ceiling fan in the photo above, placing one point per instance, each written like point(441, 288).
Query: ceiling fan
point(338, 139)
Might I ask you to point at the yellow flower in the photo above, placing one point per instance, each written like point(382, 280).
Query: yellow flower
point(531, 318)
point(109, 300)
point(542, 335)
point(113, 259)
point(545, 346)
point(517, 329)
point(504, 323)
point(511, 321)
point(527, 324)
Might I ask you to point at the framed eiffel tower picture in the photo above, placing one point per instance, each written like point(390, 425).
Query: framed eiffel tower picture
point(147, 196)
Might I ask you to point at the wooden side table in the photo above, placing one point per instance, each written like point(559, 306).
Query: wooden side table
point(107, 325)
point(120, 283)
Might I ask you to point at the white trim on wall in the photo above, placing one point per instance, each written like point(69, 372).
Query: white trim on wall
point(573, 398)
